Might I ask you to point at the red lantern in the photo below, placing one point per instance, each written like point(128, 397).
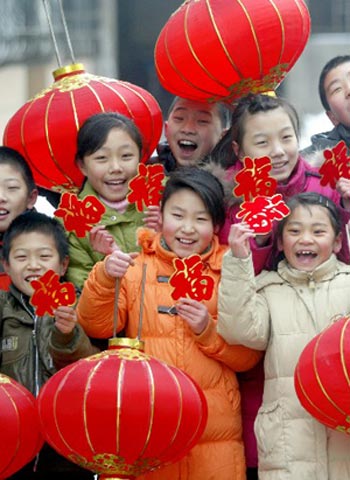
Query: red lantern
point(45, 128)
point(322, 376)
point(122, 413)
point(20, 436)
point(221, 50)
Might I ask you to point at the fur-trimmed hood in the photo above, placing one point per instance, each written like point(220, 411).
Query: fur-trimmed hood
point(227, 178)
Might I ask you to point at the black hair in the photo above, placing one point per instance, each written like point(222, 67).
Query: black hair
point(94, 131)
point(204, 184)
point(32, 221)
point(250, 104)
point(9, 156)
point(223, 111)
point(330, 65)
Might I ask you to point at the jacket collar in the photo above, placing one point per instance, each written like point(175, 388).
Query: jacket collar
point(150, 242)
point(323, 272)
point(295, 183)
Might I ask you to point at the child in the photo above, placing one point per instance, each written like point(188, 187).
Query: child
point(184, 334)
point(18, 193)
point(334, 92)
point(280, 312)
point(263, 125)
point(33, 346)
point(192, 130)
point(108, 153)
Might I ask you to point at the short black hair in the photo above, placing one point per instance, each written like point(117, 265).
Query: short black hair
point(94, 131)
point(309, 199)
point(204, 184)
point(33, 221)
point(10, 156)
point(330, 65)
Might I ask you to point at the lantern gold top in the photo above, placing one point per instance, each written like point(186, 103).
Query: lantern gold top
point(118, 342)
point(67, 70)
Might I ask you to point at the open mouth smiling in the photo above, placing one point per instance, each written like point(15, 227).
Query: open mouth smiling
point(187, 145)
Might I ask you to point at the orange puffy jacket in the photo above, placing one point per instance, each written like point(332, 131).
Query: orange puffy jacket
point(207, 358)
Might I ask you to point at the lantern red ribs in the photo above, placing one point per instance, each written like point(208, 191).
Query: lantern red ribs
point(122, 413)
point(20, 436)
point(45, 128)
point(221, 50)
point(322, 376)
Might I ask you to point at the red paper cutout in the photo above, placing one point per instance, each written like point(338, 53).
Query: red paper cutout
point(188, 280)
point(79, 216)
point(147, 187)
point(49, 293)
point(336, 165)
point(254, 179)
point(260, 213)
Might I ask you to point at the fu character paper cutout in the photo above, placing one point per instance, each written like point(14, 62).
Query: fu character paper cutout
point(49, 293)
point(79, 216)
point(335, 166)
point(254, 179)
point(261, 206)
point(147, 187)
point(262, 211)
point(189, 279)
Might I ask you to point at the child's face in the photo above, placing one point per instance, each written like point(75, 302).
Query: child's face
point(14, 195)
point(308, 238)
point(110, 168)
point(270, 134)
point(32, 255)
point(192, 130)
point(186, 225)
point(337, 88)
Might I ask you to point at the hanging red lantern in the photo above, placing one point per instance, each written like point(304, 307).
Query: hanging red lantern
point(322, 376)
point(122, 413)
point(44, 129)
point(213, 50)
point(20, 436)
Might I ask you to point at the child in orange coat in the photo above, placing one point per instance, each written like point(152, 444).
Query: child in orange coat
point(182, 333)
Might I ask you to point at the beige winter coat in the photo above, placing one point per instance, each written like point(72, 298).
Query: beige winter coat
point(280, 312)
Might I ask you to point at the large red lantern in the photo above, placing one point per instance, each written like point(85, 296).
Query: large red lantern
point(20, 436)
point(322, 376)
point(122, 413)
point(221, 50)
point(45, 128)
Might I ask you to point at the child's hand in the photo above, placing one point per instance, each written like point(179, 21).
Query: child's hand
point(238, 239)
point(343, 187)
point(153, 218)
point(101, 240)
point(117, 263)
point(65, 319)
point(194, 313)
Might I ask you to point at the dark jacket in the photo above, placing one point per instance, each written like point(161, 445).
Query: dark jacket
point(324, 140)
point(32, 350)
